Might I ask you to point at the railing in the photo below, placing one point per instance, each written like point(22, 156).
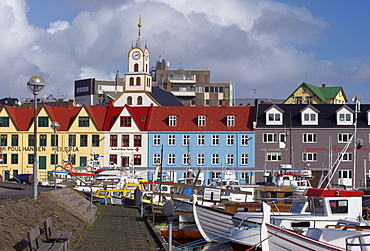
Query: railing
point(350, 242)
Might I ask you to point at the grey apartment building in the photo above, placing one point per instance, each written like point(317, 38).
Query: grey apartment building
point(315, 137)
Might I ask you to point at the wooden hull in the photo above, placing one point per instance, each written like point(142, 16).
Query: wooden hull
point(183, 234)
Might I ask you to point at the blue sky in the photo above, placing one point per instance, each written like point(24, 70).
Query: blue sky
point(256, 44)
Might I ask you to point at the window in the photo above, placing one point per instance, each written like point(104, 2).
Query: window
point(4, 121)
point(138, 81)
point(186, 140)
point(230, 140)
point(309, 99)
point(229, 159)
point(171, 140)
point(344, 137)
point(43, 140)
point(137, 140)
point(202, 120)
point(30, 159)
point(309, 117)
point(274, 117)
point(216, 175)
point(113, 140)
point(83, 140)
point(186, 159)
point(244, 159)
point(125, 121)
point(136, 67)
point(345, 174)
point(14, 159)
point(137, 159)
point(125, 140)
point(304, 89)
point(3, 140)
point(31, 140)
point(113, 159)
point(72, 140)
point(53, 159)
point(43, 121)
point(309, 157)
point(215, 140)
point(309, 138)
point(83, 121)
point(269, 137)
point(214, 160)
point(139, 100)
point(54, 140)
point(344, 117)
point(298, 100)
point(338, 206)
point(156, 140)
point(156, 159)
point(200, 159)
point(95, 141)
point(72, 158)
point(172, 120)
point(273, 156)
point(171, 159)
point(244, 140)
point(230, 120)
point(129, 100)
point(15, 140)
point(347, 156)
point(131, 81)
point(200, 140)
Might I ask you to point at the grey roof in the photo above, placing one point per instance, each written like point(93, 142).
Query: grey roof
point(327, 115)
point(9, 101)
point(165, 98)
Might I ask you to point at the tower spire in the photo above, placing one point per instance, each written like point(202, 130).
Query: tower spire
point(138, 42)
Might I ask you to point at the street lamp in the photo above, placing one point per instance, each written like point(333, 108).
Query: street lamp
point(55, 125)
point(35, 85)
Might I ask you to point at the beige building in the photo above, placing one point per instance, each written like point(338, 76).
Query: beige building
point(192, 87)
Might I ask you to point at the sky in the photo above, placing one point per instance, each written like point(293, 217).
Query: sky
point(266, 48)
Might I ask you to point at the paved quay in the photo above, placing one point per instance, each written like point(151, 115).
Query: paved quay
point(120, 228)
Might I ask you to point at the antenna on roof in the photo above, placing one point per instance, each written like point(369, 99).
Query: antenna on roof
point(306, 77)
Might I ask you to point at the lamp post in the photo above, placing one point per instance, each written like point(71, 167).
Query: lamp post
point(35, 85)
point(55, 125)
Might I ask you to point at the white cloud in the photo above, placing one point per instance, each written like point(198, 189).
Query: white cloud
point(58, 26)
point(255, 44)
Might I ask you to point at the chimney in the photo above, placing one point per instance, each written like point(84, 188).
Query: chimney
point(169, 87)
point(70, 104)
point(223, 103)
point(323, 85)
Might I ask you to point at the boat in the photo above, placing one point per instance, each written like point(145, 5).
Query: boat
point(183, 234)
point(328, 206)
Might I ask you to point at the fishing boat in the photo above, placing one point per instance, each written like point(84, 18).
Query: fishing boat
point(327, 207)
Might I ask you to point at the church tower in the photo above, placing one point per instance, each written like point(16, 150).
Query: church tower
point(138, 78)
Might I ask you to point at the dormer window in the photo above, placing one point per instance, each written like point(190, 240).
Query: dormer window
point(230, 120)
point(310, 115)
point(202, 120)
point(274, 115)
point(172, 120)
point(345, 116)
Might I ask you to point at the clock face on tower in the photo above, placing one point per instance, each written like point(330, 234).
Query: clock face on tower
point(136, 55)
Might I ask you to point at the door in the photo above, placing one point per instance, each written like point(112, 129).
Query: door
point(42, 162)
point(83, 161)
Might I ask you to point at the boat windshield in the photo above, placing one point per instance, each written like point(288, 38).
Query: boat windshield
point(297, 207)
point(318, 206)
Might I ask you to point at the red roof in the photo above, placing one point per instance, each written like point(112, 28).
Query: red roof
point(63, 115)
point(187, 118)
point(321, 192)
point(22, 117)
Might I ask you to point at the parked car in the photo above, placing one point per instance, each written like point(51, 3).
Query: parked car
point(22, 179)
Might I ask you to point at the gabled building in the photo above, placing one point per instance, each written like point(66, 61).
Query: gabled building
point(313, 137)
point(310, 94)
point(212, 139)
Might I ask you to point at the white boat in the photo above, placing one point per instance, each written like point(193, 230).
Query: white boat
point(333, 237)
point(327, 207)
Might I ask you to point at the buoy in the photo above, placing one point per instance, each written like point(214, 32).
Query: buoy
point(68, 166)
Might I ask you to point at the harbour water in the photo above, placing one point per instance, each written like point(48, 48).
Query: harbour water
point(193, 245)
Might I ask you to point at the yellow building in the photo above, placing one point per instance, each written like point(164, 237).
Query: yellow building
point(79, 135)
point(310, 94)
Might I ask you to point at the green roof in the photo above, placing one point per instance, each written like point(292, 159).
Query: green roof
point(322, 93)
